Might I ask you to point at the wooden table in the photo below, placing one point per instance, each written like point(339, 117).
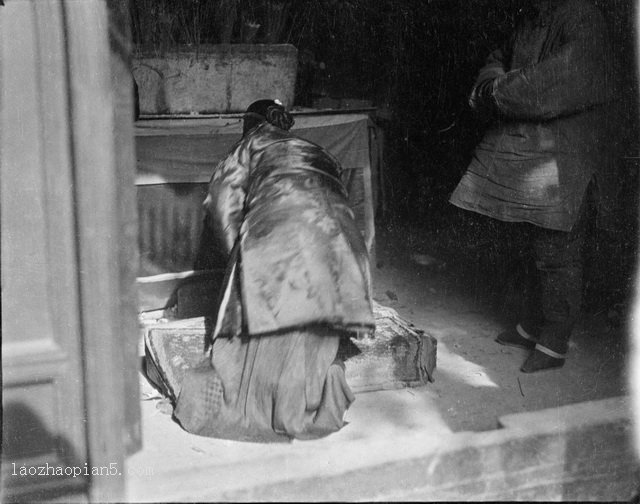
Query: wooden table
point(175, 160)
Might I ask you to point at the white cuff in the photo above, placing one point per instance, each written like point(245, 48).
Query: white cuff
point(549, 352)
point(524, 333)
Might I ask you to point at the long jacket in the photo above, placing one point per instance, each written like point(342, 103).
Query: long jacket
point(296, 257)
point(550, 90)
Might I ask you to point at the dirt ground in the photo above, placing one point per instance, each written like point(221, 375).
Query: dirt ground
point(451, 294)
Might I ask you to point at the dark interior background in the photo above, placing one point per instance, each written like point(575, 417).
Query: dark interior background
point(415, 61)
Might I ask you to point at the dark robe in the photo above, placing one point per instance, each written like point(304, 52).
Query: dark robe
point(550, 92)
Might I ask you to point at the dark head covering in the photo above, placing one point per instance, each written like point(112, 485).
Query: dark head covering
point(271, 111)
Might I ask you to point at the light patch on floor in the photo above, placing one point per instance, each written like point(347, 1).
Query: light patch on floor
point(463, 370)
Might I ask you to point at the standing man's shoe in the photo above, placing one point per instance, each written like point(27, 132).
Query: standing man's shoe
point(542, 359)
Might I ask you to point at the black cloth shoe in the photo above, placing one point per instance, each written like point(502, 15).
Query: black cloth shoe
point(540, 361)
point(514, 337)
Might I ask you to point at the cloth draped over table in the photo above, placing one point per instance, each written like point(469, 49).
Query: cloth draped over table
point(197, 143)
point(175, 159)
point(553, 96)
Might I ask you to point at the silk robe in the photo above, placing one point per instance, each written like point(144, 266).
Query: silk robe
point(297, 258)
point(297, 286)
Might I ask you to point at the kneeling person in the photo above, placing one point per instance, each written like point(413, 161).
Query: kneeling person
point(297, 287)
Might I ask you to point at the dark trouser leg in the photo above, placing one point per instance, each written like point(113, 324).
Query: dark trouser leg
point(519, 269)
point(558, 257)
point(531, 315)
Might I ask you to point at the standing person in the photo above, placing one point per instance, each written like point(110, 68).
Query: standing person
point(297, 287)
point(543, 158)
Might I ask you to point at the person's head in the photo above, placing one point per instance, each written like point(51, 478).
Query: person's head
point(271, 111)
point(536, 8)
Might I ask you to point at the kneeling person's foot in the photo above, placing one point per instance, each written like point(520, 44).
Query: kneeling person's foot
point(517, 337)
point(541, 359)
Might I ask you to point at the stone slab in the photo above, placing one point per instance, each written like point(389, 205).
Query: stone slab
point(529, 461)
point(215, 78)
point(382, 458)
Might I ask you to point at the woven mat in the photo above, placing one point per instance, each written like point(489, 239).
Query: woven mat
point(398, 355)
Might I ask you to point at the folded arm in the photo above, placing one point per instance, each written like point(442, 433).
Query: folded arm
point(568, 81)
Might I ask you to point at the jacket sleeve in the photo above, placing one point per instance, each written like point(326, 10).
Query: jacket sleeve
point(481, 99)
point(224, 205)
point(572, 79)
